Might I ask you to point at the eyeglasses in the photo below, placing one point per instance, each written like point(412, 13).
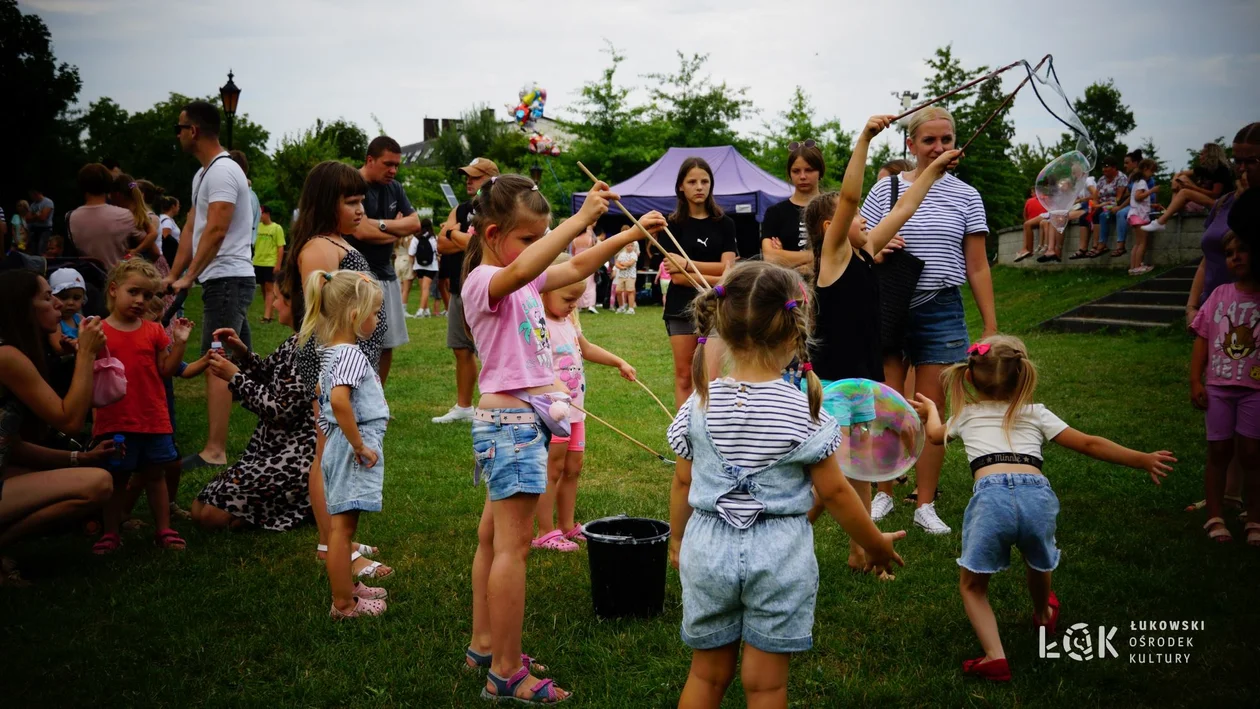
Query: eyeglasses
point(794, 145)
point(181, 127)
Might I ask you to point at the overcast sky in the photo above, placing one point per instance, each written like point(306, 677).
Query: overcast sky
point(1188, 71)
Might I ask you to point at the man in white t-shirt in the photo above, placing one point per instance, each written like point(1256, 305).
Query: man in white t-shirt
point(217, 256)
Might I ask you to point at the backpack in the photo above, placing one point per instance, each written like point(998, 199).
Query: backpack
point(424, 250)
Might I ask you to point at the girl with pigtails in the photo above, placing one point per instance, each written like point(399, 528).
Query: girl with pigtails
point(749, 447)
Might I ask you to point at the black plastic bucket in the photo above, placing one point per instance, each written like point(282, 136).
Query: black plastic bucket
point(628, 556)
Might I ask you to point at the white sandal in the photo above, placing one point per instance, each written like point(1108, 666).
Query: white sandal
point(372, 570)
point(1253, 533)
point(1220, 533)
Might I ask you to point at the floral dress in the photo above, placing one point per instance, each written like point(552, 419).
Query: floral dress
point(268, 485)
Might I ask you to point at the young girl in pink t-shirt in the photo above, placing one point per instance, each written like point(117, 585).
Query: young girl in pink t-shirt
point(507, 266)
point(569, 348)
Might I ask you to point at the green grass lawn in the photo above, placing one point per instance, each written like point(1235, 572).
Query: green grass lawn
point(241, 619)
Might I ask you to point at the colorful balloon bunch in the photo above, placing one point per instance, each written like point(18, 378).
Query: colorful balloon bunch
point(543, 145)
point(530, 109)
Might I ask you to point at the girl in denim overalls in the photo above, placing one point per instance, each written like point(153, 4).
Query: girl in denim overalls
point(508, 265)
point(341, 309)
point(1011, 502)
point(749, 447)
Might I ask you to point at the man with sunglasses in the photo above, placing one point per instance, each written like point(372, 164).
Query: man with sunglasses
point(218, 257)
point(388, 217)
point(783, 237)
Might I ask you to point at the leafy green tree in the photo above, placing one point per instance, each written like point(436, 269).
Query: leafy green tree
point(1106, 118)
point(347, 138)
point(796, 123)
point(948, 73)
point(41, 146)
point(292, 161)
point(699, 112)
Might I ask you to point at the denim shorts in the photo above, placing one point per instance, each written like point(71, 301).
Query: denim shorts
point(510, 458)
point(226, 302)
point(757, 584)
point(1008, 509)
point(349, 486)
point(143, 450)
point(936, 332)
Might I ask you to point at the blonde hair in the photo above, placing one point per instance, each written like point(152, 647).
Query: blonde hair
point(337, 301)
point(931, 113)
point(1213, 156)
point(1002, 373)
point(128, 267)
point(756, 310)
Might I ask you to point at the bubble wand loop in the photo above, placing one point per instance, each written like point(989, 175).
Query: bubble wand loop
point(623, 434)
point(1004, 104)
point(702, 284)
point(654, 397)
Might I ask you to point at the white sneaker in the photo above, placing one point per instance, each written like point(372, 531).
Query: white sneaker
point(456, 413)
point(592, 310)
point(629, 311)
point(409, 315)
point(1154, 226)
point(423, 314)
point(881, 506)
point(925, 518)
point(621, 310)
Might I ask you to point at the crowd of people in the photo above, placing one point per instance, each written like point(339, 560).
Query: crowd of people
point(845, 287)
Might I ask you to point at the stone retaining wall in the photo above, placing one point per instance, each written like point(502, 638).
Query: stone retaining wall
point(1179, 243)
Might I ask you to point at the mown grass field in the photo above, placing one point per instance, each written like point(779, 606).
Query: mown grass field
point(241, 619)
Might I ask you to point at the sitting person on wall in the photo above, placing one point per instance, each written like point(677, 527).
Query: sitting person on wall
point(1113, 191)
point(38, 485)
point(1194, 191)
point(1034, 220)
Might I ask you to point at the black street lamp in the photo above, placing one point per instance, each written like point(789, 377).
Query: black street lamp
point(230, 94)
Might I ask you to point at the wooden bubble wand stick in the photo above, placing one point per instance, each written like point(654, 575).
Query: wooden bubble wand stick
point(702, 284)
point(654, 397)
point(623, 434)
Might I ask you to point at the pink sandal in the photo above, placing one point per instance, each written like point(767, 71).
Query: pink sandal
point(575, 534)
point(555, 541)
point(107, 544)
point(362, 607)
point(169, 539)
point(371, 593)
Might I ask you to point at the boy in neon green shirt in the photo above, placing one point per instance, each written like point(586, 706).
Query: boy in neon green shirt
point(268, 257)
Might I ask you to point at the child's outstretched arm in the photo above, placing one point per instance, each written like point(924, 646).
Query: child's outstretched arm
point(679, 507)
point(197, 367)
point(343, 411)
point(1198, 365)
point(836, 246)
point(932, 426)
point(536, 257)
point(1155, 464)
point(842, 501)
point(599, 355)
point(170, 359)
point(589, 261)
point(910, 201)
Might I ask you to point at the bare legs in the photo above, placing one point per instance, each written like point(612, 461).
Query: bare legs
point(928, 383)
point(426, 284)
point(387, 360)
point(218, 411)
point(564, 467)
point(338, 563)
point(764, 675)
point(34, 500)
point(266, 289)
point(683, 348)
point(465, 376)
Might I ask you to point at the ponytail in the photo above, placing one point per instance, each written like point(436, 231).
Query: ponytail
point(704, 315)
point(312, 293)
point(813, 385)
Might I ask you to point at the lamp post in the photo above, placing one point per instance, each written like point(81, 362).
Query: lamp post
point(907, 100)
point(230, 94)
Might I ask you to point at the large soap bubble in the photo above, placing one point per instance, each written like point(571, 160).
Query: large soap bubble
point(1060, 185)
point(881, 435)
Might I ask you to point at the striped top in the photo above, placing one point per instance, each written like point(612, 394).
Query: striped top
point(934, 233)
point(350, 369)
point(752, 424)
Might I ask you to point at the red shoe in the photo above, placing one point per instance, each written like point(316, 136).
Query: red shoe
point(993, 670)
point(1054, 616)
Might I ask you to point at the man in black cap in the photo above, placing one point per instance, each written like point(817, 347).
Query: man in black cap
point(452, 240)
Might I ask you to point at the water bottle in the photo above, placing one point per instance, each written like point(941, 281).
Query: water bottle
point(116, 456)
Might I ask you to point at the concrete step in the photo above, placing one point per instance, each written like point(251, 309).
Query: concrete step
point(1095, 324)
point(1136, 312)
point(1176, 285)
point(1146, 297)
point(1187, 271)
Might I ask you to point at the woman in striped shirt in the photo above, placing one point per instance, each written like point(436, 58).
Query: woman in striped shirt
point(948, 234)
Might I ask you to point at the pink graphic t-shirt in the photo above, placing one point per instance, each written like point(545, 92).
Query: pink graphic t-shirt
point(1230, 322)
point(510, 334)
point(566, 360)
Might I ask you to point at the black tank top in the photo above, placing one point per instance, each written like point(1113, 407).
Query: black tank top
point(846, 329)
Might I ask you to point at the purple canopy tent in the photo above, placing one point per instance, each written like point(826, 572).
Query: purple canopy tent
point(740, 186)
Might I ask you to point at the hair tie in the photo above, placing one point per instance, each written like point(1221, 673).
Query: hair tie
point(131, 185)
point(720, 291)
point(701, 340)
point(472, 231)
point(535, 187)
point(492, 179)
point(807, 367)
point(979, 348)
point(327, 276)
point(365, 277)
point(790, 304)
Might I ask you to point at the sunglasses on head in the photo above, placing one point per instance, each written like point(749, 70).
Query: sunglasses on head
point(181, 127)
point(797, 145)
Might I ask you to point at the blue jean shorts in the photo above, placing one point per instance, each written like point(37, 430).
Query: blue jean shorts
point(143, 450)
point(349, 486)
point(1009, 509)
point(510, 458)
point(759, 584)
point(936, 332)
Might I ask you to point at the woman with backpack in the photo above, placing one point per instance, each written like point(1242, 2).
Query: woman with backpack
point(424, 262)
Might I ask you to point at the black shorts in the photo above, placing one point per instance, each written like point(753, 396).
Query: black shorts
point(679, 326)
point(264, 274)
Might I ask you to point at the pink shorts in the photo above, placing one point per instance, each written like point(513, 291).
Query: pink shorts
point(576, 439)
point(1232, 410)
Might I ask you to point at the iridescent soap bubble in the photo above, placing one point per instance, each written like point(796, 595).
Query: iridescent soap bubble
point(1060, 184)
point(881, 435)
